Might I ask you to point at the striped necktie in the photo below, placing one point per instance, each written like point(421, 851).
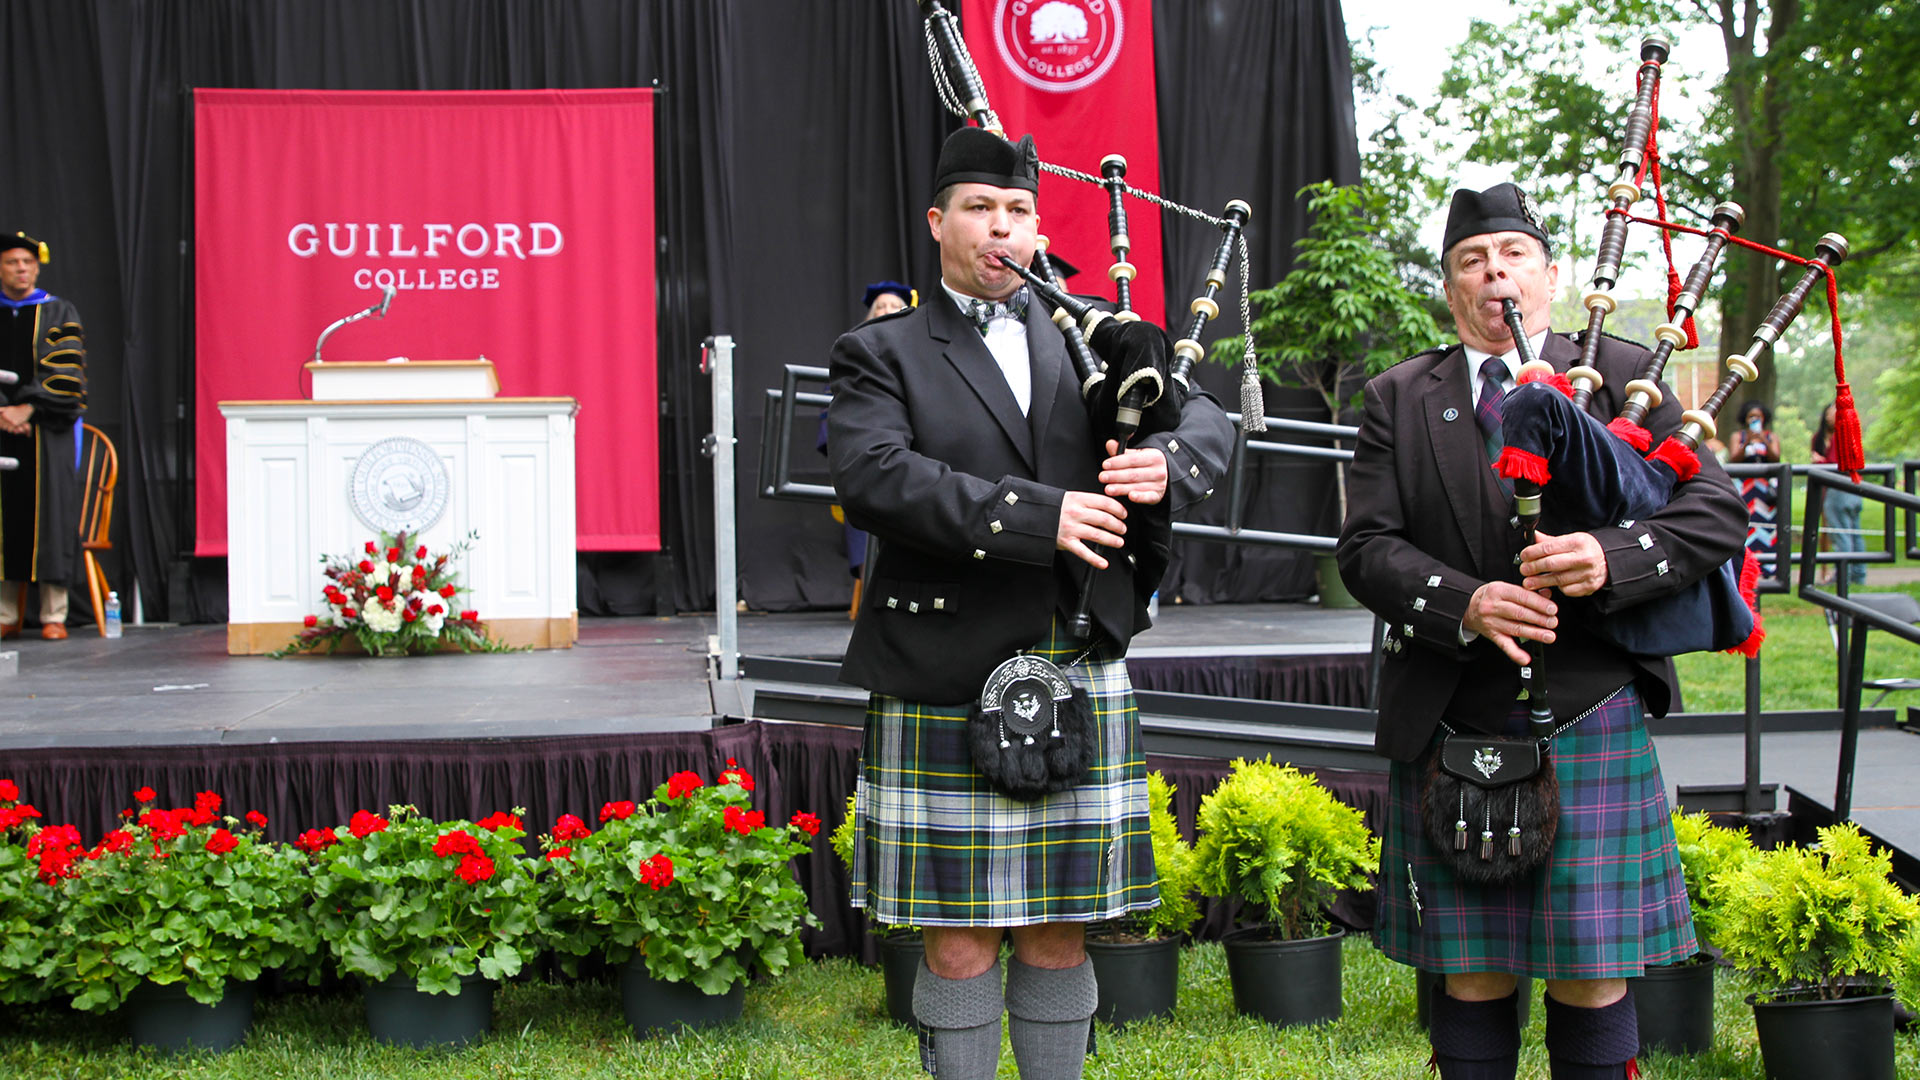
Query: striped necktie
point(1487, 412)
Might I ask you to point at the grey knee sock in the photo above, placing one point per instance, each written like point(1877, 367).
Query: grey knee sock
point(1048, 1010)
point(963, 1017)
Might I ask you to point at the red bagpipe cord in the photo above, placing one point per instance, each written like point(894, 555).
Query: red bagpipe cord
point(1750, 592)
point(1650, 164)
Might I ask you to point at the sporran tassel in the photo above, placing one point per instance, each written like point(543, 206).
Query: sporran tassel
point(1460, 824)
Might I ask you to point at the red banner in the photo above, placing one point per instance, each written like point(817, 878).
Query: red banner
point(1078, 75)
point(515, 225)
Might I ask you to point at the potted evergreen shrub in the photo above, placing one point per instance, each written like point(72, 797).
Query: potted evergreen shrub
point(1273, 837)
point(431, 915)
point(1831, 926)
point(1675, 1001)
point(901, 947)
point(691, 892)
point(172, 917)
point(1136, 960)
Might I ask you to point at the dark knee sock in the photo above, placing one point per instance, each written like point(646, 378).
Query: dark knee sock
point(1048, 1010)
point(1592, 1044)
point(1475, 1040)
point(962, 1018)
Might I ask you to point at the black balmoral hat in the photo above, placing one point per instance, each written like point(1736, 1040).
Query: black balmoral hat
point(1500, 208)
point(977, 156)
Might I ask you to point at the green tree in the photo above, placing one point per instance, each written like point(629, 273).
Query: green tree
point(1809, 123)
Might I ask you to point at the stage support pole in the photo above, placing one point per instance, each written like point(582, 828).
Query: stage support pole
point(1751, 797)
point(717, 358)
point(1852, 680)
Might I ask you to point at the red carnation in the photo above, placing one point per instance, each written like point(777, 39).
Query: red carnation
point(311, 621)
point(221, 842)
point(457, 842)
point(420, 552)
point(409, 615)
point(469, 616)
point(500, 820)
point(393, 554)
point(256, 819)
point(617, 811)
point(657, 872)
point(436, 609)
point(570, 827)
point(806, 823)
point(474, 869)
point(447, 591)
point(366, 566)
point(143, 795)
point(349, 613)
point(314, 841)
point(560, 853)
point(385, 594)
point(681, 783)
point(742, 821)
point(371, 548)
point(9, 791)
point(364, 824)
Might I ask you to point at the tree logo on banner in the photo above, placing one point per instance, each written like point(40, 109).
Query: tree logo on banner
point(1058, 45)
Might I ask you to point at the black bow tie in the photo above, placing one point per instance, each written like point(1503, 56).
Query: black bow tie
point(984, 311)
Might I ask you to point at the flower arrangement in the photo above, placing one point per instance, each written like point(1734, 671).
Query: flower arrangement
point(1274, 837)
point(184, 896)
point(27, 898)
point(433, 901)
point(394, 598)
point(694, 881)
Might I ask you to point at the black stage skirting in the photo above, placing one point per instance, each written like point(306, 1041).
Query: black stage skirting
point(320, 784)
point(1314, 679)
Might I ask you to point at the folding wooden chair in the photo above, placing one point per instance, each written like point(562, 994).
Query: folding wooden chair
point(101, 470)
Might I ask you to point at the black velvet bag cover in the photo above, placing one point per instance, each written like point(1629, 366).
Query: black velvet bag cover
point(1031, 730)
point(1137, 357)
point(1490, 805)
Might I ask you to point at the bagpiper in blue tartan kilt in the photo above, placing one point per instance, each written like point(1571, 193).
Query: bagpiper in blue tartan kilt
point(934, 845)
point(1610, 900)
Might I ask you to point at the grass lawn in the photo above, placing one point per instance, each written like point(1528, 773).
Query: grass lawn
point(1797, 669)
point(824, 1021)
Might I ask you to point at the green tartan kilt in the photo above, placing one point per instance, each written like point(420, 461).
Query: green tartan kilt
point(1610, 899)
point(934, 845)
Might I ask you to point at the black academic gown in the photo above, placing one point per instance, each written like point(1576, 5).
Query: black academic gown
point(43, 345)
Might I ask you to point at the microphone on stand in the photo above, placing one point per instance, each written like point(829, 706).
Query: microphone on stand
point(378, 311)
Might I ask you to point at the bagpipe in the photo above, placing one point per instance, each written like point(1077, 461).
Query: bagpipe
point(1132, 381)
point(1576, 473)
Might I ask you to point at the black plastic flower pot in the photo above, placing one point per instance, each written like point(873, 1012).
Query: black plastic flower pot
point(900, 953)
point(398, 1013)
point(1802, 1036)
point(167, 1018)
point(1138, 980)
point(1675, 1005)
point(655, 1006)
point(1285, 983)
point(1428, 983)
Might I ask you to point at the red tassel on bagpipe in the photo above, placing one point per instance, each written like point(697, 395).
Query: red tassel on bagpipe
point(1750, 592)
point(1517, 464)
point(1631, 433)
point(1675, 455)
point(1847, 451)
point(1557, 380)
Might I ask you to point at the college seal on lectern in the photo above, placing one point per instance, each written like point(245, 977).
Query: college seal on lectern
point(399, 484)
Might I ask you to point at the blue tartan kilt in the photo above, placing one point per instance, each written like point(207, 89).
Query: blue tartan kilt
point(1610, 900)
point(934, 845)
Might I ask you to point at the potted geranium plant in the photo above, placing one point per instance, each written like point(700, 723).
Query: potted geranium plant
point(1829, 923)
point(1675, 1001)
point(393, 599)
point(27, 900)
point(174, 915)
point(1136, 959)
point(430, 914)
point(686, 891)
point(1273, 837)
point(901, 947)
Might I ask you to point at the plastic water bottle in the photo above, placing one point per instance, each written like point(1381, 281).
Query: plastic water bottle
point(112, 624)
point(1153, 606)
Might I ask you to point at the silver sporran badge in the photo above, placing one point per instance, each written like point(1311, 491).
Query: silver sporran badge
point(1023, 697)
point(398, 485)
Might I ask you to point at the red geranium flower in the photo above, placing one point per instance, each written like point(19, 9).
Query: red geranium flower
point(500, 820)
point(9, 791)
point(570, 827)
point(165, 824)
point(657, 872)
point(681, 783)
point(560, 853)
point(457, 842)
point(617, 811)
point(113, 843)
point(221, 842)
point(364, 824)
point(742, 821)
point(736, 775)
point(314, 841)
point(806, 823)
point(145, 794)
point(22, 813)
point(474, 869)
point(256, 819)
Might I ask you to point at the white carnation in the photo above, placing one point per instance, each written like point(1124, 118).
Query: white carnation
point(434, 622)
point(381, 618)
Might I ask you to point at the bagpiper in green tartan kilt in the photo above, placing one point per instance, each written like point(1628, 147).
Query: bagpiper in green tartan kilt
point(934, 845)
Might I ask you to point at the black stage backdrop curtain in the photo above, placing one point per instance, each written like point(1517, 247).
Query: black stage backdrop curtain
point(795, 147)
point(795, 767)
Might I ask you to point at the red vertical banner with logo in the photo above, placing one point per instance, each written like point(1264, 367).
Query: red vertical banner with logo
point(515, 225)
point(1078, 75)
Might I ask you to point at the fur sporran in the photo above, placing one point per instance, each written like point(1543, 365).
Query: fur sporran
point(1031, 731)
point(1490, 805)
